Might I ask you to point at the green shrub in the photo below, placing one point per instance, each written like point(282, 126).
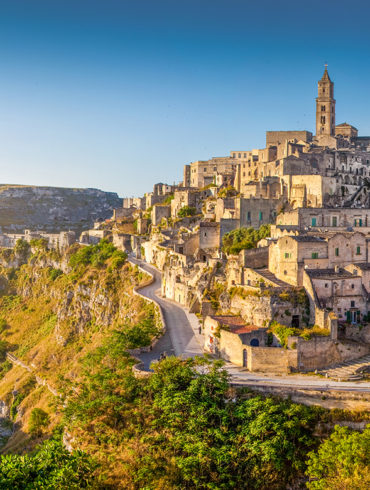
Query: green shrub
point(38, 420)
point(50, 467)
point(54, 274)
point(3, 325)
point(243, 239)
point(22, 249)
point(97, 255)
point(341, 462)
point(40, 244)
point(4, 368)
point(186, 211)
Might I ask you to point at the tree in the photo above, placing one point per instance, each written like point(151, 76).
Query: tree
point(22, 249)
point(186, 211)
point(243, 238)
point(342, 462)
point(50, 467)
point(38, 420)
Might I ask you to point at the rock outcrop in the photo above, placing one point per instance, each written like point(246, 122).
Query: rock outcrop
point(53, 209)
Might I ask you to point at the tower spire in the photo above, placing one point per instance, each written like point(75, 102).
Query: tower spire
point(325, 106)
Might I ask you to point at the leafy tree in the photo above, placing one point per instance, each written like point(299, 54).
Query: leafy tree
point(228, 191)
point(50, 467)
point(98, 255)
point(38, 420)
point(55, 273)
point(40, 244)
point(169, 199)
point(243, 238)
point(341, 462)
point(22, 249)
point(186, 211)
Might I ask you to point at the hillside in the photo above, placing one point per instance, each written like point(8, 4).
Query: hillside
point(69, 324)
point(53, 208)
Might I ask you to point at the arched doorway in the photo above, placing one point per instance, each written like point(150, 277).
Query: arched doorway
point(255, 343)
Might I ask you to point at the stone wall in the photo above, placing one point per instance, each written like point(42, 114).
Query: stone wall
point(261, 308)
point(271, 359)
point(278, 137)
point(159, 212)
point(321, 352)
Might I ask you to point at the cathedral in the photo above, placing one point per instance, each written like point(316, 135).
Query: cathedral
point(330, 168)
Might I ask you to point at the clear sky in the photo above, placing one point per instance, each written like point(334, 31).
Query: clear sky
point(119, 94)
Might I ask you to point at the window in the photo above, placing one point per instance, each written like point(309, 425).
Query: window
point(322, 108)
point(337, 252)
point(205, 170)
point(260, 215)
point(326, 285)
point(352, 286)
point(214, 169)
point(353, 304)
point(358, 250)
point(334, 221)
point(287, 255)
point(285, 273)
point(248, 215)
point(233, 155)
point(243, 174)
point(245, 155)
point(315, 255)
point(322, 119)
point(239, 155)
point(313, 222)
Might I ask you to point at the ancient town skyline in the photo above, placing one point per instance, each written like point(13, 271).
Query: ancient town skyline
point(121, 86)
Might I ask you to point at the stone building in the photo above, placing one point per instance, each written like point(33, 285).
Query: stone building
point(160, 212)
point(290, 256)
point(297, 167)
point(203, 173)
point(228, 335)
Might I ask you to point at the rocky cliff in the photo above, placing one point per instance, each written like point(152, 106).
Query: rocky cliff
point(53, 209)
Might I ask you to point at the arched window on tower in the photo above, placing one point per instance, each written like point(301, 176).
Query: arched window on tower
point(322, 119)
point(322, 108)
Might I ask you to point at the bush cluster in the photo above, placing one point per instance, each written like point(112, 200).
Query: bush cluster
point(98, 256)
point(186, 211)
point(243, 239)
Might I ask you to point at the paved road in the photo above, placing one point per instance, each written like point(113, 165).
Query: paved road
point(246, 378)
point(181, 337)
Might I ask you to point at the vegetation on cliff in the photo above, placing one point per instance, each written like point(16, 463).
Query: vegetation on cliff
point(243, 238)
point(74, 320)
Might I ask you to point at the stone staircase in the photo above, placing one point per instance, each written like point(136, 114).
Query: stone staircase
point(269, 276)
point(348, 370)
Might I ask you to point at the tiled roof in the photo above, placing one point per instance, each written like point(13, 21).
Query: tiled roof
point(329, 273)
point(235, 323)
point(306, 238)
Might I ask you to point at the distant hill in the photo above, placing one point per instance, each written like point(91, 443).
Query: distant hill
point(53, 208)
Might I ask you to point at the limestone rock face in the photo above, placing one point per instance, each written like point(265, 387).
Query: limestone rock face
point(53, 209)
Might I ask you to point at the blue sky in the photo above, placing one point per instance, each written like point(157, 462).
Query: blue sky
point(121, 94)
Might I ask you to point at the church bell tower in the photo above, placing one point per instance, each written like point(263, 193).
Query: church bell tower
point(325, 106)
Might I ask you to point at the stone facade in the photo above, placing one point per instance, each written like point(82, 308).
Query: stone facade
point(160, 212)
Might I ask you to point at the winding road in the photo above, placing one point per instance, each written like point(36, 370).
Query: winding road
point(182, 338)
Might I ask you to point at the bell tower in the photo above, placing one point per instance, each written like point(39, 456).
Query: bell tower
point(325, 106)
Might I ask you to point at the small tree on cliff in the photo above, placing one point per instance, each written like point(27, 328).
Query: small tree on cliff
point(22, 249)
